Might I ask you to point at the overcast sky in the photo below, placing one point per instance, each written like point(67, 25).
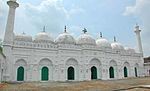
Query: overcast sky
point(111, 17)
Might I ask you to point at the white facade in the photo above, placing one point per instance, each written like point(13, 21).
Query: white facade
point(2, 66)
point(66, 58)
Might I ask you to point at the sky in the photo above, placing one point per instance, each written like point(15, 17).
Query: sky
point(111, 17)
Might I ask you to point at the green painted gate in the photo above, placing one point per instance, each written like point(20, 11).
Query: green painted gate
point(111, 72)
point(93, 72)
point(20, 74)
point(44, 74)
point(70, 73)
point(135, 71)
point(125, 72)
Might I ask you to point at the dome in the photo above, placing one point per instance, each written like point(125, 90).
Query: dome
point(86, 39)
point(101, 42)
point(130, 49)
point(43, 37)
point(65, 38)
point(23, 37)
point(117, 46)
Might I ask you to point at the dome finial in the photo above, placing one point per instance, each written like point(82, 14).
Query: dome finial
point(136, 26)
point(44, 29)
point(114, 39)
point(65, 29)
point(23, 33)
point(101, 34)
point(84, 30)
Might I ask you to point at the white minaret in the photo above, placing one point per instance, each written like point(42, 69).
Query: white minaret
point(137, 32)
point(8, 38)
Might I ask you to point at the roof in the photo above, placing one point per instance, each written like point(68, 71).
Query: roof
point(147, 59)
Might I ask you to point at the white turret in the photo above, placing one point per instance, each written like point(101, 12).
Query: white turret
point(137, 32)
point(8, 38)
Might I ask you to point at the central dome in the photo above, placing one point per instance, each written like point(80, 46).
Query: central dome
point(43, 37)
point(101, 42)
point(85, 39)
point(65, 38)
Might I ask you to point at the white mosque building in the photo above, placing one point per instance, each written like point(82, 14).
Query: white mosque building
point(43, 58)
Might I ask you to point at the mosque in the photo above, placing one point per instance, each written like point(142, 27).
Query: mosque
point(66, 58)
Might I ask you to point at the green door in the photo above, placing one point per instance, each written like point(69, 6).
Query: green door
point(20, 74)
point(93, 72)
point(44, 74)
point(135, 71)
point(70, 73)
point(125, 72)
point(111, 72)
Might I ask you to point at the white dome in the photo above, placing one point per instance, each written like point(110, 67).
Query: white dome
point(23, 37)
point(65, 38)
point(43, 37)
point(101, 42)
point(117, 46)
point(130, 49)
point(86, 39)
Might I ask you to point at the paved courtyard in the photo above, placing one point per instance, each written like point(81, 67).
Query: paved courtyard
point(130, 84)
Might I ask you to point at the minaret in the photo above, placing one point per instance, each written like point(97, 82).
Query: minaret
point(8, 38)
point(137, 32)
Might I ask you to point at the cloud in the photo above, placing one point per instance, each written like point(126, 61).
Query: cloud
point(31, 18)
point(141, 10)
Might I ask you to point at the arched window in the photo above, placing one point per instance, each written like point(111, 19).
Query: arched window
point(135, 72)
point(20, 74)
point(125, 72)
point(70, 73)
point(93, 72)
point(44, 74)
point(111, 72)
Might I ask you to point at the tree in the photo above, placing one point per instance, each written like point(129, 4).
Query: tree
point(1, 48)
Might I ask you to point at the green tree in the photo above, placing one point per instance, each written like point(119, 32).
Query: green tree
point(1, 48)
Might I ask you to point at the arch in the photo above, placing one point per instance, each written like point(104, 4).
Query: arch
point(45, 61)
point(111, 72)
point(70, 73)
point(125, 72)
point(44, 74)
point(113, 63)
point(21, 62)
point(95, 61)
point(126, 69)
point(126, 64)
point(71, 61)
point(93, 72)
point(136, 68)
point(20, 73)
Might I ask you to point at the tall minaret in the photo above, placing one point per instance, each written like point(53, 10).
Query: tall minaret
point(8, 38)
point(137, 32)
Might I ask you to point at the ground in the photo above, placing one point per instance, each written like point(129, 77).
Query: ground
point(129, 84)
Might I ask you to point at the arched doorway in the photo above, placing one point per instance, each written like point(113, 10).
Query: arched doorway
point(93, 72)
point(135, 72)
point(70, 73)
point(125, 72)
point(111, 72)
point(44, 74)
point(20, 74)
